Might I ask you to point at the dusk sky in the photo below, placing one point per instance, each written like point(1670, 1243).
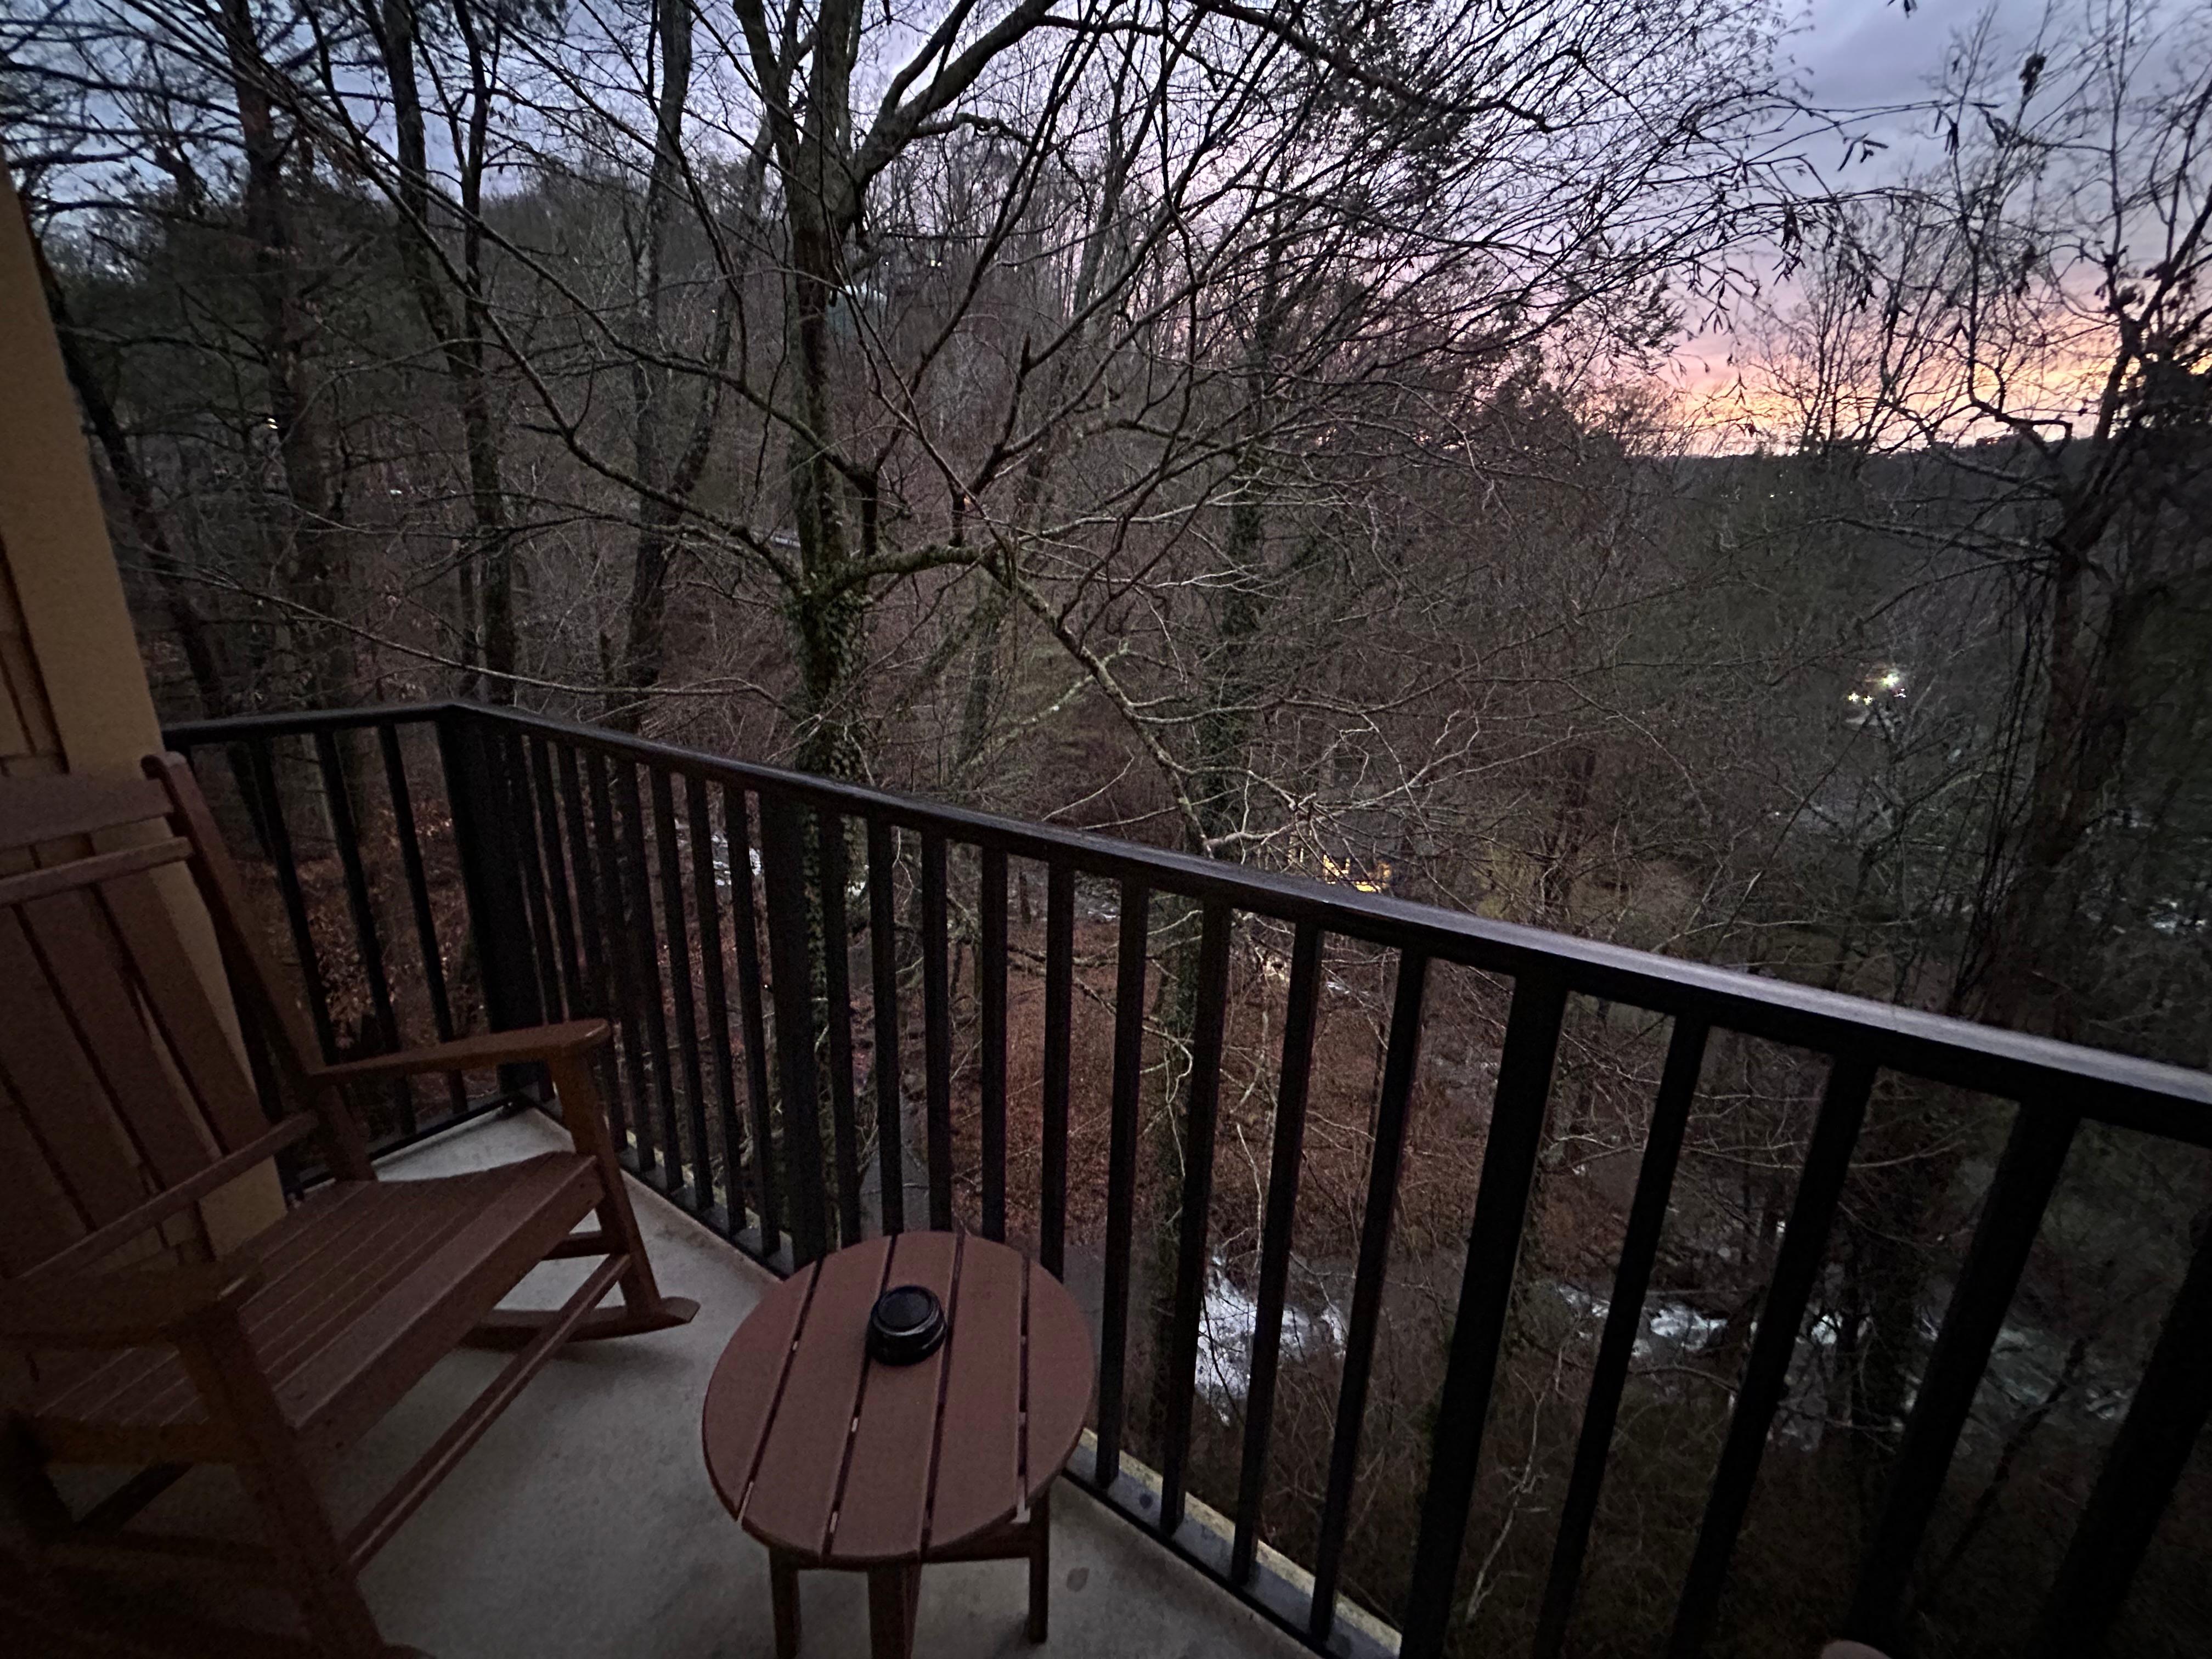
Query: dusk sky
point(1865, 52)
point(1862, 55)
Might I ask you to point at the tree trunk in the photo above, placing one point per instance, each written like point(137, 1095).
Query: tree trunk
point(986, 676)
point(321, 576)
point(645, 647)
point(483, 571)
point(2080, 740)
point(827, 615)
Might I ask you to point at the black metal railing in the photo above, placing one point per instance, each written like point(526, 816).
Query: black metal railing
point(547, 870)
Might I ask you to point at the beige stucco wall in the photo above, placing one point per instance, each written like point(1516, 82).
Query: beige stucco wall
point(73, 693)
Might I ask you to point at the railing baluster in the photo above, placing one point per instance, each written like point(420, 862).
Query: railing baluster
point(991, 996)
point(1623, 1325)
point(679, 984)
point(643, 942)
point(484, 845)
point(1766, 1371)
point(1298, 1020)
point(573, 995)
point(1202, 1104)
point(706, 897)
point(2012, 1212)
point(418, 898)
point(937, 1033)
point(1202, 1101)
point(237, 760)
point(837, 1010)
point(882, 971)
point(1121, 1174)
point(345, 831)
point(598, 994)
point(792, 990)
point(2169, 1409)
point(627, 1103)
point(1400, 1061)
point(521, 819)
point(1501, 1206)
point(767, 1189)
point(1059, 1024)
point(261, 762)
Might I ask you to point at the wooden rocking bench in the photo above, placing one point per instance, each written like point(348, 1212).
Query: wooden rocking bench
point(124, 1102)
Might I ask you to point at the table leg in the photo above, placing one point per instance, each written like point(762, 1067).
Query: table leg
point(892, 1593)
point(1040, 1565)
point(783, 1592)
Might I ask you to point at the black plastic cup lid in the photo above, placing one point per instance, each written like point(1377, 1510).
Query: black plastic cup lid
point(906, 1325)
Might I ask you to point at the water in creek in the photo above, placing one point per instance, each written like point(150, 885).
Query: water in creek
point(2024, 1366)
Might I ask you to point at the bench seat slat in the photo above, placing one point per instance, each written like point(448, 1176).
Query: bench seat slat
point(366, 1286)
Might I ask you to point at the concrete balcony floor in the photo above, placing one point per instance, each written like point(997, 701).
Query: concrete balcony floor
point(582, 1524)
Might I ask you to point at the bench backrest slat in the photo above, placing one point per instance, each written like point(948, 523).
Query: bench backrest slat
point(119, 1080)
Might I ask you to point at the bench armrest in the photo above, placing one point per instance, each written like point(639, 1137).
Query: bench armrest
point(122, 1310)
point(537, 1043)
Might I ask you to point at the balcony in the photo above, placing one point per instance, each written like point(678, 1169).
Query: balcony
point(583, 1524)
point(1329, 1379)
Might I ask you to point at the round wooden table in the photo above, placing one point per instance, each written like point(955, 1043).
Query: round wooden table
point(834, 1461)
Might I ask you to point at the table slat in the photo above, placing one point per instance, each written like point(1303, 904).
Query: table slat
point(887, 1487)
point(742, 1395)
point(978, 1484)
point(1061, 1373)
point(796, 1486)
